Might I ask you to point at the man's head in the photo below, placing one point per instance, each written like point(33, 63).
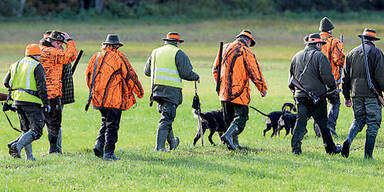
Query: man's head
point(56, 38)
point(314, 39)
point(369, 34)
point(173, 37)
point(33, 50)
point(248, 37)
point(112, 40)
point(326, 25)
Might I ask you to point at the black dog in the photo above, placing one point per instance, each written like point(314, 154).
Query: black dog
point(272, 120)
point(212, 120)
point(287, 120)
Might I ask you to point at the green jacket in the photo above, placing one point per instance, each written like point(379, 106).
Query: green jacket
point(317, 76)
point(354, 78)
point(168, 93)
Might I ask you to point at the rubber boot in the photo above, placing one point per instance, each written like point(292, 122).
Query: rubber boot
point(228, 137)
point(345, 150)
point(52, 143)
point(26, 139)
point(236, 141)
point(317, 130)
point(58, 144)
point(28, 152)
point(369, 145)
point(172, 140)
point(99, 149)
point(12, 142)
point(160, 139)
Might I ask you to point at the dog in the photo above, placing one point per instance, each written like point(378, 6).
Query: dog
point(287, 120)
point(212, 120)
point(272, 120)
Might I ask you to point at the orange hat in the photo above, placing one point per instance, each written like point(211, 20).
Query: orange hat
point(369, 34)
point(32, 49)
point(173, 36)
point(248, 34)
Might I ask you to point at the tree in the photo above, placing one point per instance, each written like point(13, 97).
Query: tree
point(99, 5)
point(21, 8)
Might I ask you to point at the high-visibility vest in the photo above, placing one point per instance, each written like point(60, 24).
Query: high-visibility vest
point(164, 69)
point(23, 82)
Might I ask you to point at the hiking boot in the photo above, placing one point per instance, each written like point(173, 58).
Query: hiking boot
point(345, 150)
point(110, 157)
point(228, 137)
point(162, 135)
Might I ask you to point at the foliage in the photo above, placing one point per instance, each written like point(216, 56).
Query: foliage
point(9, 8)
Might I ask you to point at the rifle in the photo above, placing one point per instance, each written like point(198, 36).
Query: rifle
point(153, 75)
point(369, 80)
point(219, 68)
point(7, 107)
point(293, 82)
point(3, 96)
point(92, 83)
point(77, 61)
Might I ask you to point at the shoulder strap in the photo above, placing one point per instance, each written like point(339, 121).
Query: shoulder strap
point(306, 65)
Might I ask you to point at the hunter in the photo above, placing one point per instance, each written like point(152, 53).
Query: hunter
point(53, 58)
point(26, 80)
point(313, 70)
point(366, 107)
point(333, 49)
point(238, 66)
point(112, 82)
point(167, 66)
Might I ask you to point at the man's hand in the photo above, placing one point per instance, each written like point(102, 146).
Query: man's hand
point(348, 103)
point(263, 94)
point(66, 36)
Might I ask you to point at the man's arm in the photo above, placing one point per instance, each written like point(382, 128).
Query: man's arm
point(7, 78)
point(67, 55)
point(346, 79)
point(147, 68)
point(379, 69)
point(254, 70)
point(41, 84)
point(184, 67)
point(326, 72)
point(291, 73)
point(338, 56)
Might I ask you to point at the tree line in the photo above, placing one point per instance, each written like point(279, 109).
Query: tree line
point(190, 8)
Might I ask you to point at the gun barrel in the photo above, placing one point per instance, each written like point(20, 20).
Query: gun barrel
point(219, 68)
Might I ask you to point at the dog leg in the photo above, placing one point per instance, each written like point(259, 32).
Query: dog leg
point(197, 137)
point(267, 129)
point(210, 138)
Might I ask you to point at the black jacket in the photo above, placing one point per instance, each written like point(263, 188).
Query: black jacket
point(317, 77)
point(355, 77)
point(41, 85)
point(173, 94)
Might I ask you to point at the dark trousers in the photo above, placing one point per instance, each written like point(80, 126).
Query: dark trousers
point(168, 114)
point(305, 109)
point(31, 118)
point(54, 117)
point(235, 114)
point(107, 137)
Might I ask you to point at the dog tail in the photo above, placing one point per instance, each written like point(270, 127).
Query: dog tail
point(258, 111)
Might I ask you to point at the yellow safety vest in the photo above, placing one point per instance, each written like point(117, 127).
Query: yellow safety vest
point(164, 69)
point(23, 82)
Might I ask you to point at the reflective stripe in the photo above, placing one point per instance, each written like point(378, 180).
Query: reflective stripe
point(167, 70)
point(168, 78)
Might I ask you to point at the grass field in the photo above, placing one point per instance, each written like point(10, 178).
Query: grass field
point(267, 166)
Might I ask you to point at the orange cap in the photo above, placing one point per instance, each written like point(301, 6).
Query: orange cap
point(32, 49)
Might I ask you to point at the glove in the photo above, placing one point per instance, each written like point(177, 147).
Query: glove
point(47, 108)
point(66, 36)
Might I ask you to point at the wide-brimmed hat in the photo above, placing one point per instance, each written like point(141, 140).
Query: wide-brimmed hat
point(326, 25)
point(56, 36)
point(173, 36)
point(112, 39)
point(32, 49)
point(248, 34)
point(313, 39)
point(369, 34)
point(47, 34)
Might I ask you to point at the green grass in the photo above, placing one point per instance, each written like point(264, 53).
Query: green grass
point(267, 166)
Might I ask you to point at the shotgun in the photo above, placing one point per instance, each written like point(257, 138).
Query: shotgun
point(369, 80)
point(218, 82)
point(3, 96)
point(77, 61)
point(293, 82)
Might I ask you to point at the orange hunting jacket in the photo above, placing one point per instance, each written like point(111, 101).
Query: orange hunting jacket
point(115, 80)
point(53, 60)
point(238, 65)
point(334, 52)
